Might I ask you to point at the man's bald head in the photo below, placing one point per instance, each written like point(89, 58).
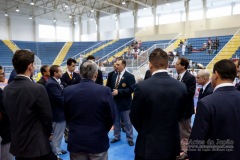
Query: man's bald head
point(203, 77)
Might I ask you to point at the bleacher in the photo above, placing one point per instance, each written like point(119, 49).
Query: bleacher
point(27, 45)
point(111, 48)
point(48, 51)
point(148, 44)
point(237, 54)
point(203, 57)
point(5, 55)
point(78, 47)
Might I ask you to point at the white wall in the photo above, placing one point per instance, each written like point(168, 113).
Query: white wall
point(21, 28)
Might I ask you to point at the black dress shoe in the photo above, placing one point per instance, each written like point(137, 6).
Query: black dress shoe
point(131, 143)
point(115, 140)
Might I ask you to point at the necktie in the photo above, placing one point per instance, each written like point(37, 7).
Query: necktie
point(178, 77)
point(71, 75)
point(118, 80)
point(200, 93)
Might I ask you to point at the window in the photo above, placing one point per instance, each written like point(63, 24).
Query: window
point(46, 31)
point(218, 12)
point(63, 33)
point(236, 9)
point(194, 15)
point(169, 18)
point(145, 21)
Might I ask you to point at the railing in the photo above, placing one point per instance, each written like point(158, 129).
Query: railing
point(86, 51)
point(114, 51)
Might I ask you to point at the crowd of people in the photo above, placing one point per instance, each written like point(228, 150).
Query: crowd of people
point(35, 116)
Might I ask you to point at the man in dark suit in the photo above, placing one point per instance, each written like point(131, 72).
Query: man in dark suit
point(70, 77)
point(29, 112)
point(99, 79)
point(94, 110)
point(185, 124)
point(110, 75)
point(217, 122)
point(4, 125)
point(203, 79)
point(155, 113)
point(12, 75)
point(45, 75)
point(122, 85)
point(55, 92)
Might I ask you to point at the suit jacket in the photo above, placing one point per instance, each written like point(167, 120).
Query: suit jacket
point(125, 89)
point(30, 116)
point(89, 117)
point(190, 83)
point(99, 79)
point(42, 81)
point(109, 79)
point(4, 122)
point(156, 110)
point(55, 93)
point(68, 81)
point(147, 74)
point(217, 118)
point(208, 90)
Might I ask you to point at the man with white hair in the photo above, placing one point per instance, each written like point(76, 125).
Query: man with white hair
point(203, 79)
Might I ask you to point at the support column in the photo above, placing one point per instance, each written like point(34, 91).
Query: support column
point(72, 28)
point(204, 4)
point(97, 25)
point(9, 28)
point(186, 4)
point(154, 11)
point(80, 28)
point(117, 18)
point(135, 15)
point(34, 30)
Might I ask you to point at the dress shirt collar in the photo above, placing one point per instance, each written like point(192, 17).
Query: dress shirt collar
point(222, 85)
point(204, 87)
point(69, 73)
point(58, 80)
point(181, 75)
point(159, 71)
point(21, 75)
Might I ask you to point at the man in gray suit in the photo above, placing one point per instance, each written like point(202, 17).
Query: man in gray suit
point(29, 112)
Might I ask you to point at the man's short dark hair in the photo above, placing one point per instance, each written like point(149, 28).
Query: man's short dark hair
point(90, 57)
point(226, 69)
point(123, 61)
point(43, 68)
point(1, 67)
point(184, 62)
point(158, 58)
point(70, 61)
point(53, 68)
point(21, 60)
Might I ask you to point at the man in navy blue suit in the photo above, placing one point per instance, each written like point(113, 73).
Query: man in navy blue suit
point(70, 77)
point(185, 124)
point(55, 92)
point(203, 79)
point(122, 85)
point(90, 113)
point(157, 107)
point(217, 121)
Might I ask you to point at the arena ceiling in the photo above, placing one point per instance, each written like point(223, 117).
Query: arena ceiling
point(68, 10)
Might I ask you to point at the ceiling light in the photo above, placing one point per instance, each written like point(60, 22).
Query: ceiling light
point(30, 17)
point(91, 19)
point(54, 20)
point(75, 22)
point(70, 16)
point(92, 10)
point(66, 5)
point(17, 10)
point(167, 4)
point(32, 3)
point(123, 2)
point(6, 14)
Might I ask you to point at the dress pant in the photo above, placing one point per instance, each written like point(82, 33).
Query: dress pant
point(50, 156)
point(89, 156)
point(127, 123)
point(185, 131)
point(58, 131)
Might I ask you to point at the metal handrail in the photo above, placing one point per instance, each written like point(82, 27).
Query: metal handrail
point(99, 60)
point(86, 50)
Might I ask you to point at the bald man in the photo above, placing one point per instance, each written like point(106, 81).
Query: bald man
point(203, 79)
